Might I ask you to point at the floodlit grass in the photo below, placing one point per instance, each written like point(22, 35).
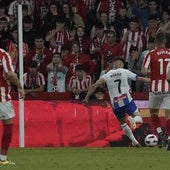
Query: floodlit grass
point(113, 158)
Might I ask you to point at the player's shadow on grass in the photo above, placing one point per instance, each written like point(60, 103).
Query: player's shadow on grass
point(140, 133)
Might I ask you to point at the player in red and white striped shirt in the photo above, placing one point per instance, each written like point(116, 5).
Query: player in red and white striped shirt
point(7, 75)
point(157, 62)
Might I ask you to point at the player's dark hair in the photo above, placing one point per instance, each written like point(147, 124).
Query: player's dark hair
point(120, 59)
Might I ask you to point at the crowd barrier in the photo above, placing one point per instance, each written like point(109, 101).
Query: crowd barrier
point(61, 122)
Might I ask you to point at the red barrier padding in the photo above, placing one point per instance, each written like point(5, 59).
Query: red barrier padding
point(113, 123)
point(99, 122)
point(66, 123)
point(74, 124)
point(40, 124)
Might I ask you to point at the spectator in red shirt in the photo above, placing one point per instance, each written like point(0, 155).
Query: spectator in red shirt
point(58, 36)
point(76, 57)
point(110, 48)
point(42, 55)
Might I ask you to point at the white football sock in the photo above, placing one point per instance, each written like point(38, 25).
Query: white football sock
point(129, 133)
point(3, 157)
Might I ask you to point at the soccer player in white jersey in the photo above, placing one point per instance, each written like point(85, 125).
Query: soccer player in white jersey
point(119, 91)
point(7, 114)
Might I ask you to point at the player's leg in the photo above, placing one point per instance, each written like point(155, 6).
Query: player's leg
point(155, 101)
point(125, 127)
point(137, 117)
point(8, 114)
point(133, 113)
point(6, 137)
point(120, 114)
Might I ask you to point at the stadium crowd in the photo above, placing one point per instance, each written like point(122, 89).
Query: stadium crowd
point(69, 44)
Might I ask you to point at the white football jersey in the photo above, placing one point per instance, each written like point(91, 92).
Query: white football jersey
point(118, 87)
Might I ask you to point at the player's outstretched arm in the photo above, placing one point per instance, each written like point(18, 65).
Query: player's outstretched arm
point(92, 89)
point(145, 71)
point(144, 79)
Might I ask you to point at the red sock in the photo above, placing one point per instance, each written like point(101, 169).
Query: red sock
point(6, 138)
point(155, 121)
point(168, 127)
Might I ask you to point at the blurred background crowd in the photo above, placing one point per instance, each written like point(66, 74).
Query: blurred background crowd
point(69, 44)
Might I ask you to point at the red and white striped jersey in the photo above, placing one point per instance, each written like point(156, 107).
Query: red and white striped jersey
point(135, 38)
point(5, 67)
point(60, 38)
point(12, 11)
point(97, 41)
point(110, 6)
point(76, 83)
point(148, 32)
point(33, 82)
point(158, 61)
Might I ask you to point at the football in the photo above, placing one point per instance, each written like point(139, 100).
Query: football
point(151, 140)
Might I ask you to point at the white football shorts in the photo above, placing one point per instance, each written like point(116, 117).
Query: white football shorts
point(6, 110)
point(158, 99)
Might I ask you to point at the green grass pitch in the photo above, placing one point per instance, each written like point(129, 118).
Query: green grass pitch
point(110, 158)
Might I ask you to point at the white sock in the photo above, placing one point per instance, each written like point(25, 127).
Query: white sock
point(129, 133)
point(168, 137)
point(138, 119)
point(3, 157)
